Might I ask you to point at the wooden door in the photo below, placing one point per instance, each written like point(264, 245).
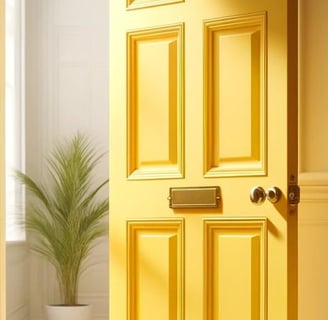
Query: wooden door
point(203, 108)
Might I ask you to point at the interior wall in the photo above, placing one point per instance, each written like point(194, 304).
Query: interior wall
point(2, 162)
point(66, 91)
point(17, 289)
point(313, 209)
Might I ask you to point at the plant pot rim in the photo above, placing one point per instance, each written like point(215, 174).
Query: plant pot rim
point(67, 312)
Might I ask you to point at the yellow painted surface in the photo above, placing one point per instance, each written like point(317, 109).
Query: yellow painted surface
point(155, 96)
point(2, 164)
point(235, 258)
point(235, 58)
point(155, 267)
point(150, 274)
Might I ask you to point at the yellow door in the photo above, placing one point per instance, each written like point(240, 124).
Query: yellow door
point(203, 109)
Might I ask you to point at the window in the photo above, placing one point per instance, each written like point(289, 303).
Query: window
point(15, 118)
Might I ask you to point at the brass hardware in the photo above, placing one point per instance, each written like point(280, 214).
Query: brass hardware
point(257, 195)
point(194, 197)
point(273, 194)
point(293, 194)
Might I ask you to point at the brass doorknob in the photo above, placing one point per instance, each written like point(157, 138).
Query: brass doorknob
point(257, 195)
point(273, 194)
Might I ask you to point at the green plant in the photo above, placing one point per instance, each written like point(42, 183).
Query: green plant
point(66, 214)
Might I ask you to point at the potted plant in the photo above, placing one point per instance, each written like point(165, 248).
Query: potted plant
point(66, 216)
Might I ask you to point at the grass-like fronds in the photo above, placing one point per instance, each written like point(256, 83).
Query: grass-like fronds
point(66, 214)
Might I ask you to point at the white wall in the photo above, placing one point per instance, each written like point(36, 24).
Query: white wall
point(67, 90)
point(17, 289)
point(313, 209)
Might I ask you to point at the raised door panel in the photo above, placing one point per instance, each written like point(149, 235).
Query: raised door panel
point(155, 103)
point(235, 96)
point(235, 263)
point(155, 268)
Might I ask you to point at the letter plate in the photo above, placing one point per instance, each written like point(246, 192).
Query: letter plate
point(194, 197)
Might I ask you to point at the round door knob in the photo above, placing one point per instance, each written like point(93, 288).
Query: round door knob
point(273, 194)
point(257, 195)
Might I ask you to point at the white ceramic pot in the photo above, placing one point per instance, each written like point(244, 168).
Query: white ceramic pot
point(60, 312)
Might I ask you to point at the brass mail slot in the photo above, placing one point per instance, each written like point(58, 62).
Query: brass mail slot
point(194, 197)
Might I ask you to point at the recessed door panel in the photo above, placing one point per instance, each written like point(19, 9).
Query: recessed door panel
point(155, 268)
point(235, 88)
point(139, 4)
point(235, 269)
point(155, 103)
